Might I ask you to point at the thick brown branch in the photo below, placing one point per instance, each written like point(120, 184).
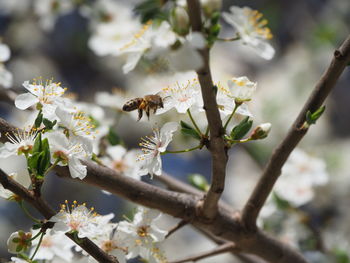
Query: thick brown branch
point(48, 212)
point(217, 144)
point(218, 250)
point(273, 168)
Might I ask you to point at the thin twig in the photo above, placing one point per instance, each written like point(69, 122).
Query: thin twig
point(177, 227)
point(218, 250)
point(48, 212)
point(217, 145)
point(273, 168)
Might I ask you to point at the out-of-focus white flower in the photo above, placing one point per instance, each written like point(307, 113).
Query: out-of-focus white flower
point(141, 234)
point(49, 10)
point(149, 38)
point(77, 218)
point(18, 260)
point(123, 161)
point(300, 174)
point(241, 88)
point(53, 245)
point(6, 77)
point(113, 27)
point(18, 242)
point(187, 57)
point(153, 146)
point(45, 95)
point(251, 29)
point(181, 96)
point(114, 100)
point(13, 7)
point(67, 152)
point(5, 52)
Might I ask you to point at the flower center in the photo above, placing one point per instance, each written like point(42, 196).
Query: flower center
point(142, 231)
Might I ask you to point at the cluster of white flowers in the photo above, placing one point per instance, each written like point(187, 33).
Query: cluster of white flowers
point(124, 240)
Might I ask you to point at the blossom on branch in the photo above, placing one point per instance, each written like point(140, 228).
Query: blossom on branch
point(251, 29)
point(153, 146)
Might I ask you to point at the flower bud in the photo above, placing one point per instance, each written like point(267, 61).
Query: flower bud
point(211, 6)
point(261, 131)
point(19, 242)
point(180, 21)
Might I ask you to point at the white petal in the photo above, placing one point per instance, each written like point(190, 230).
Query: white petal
point(197, 40)
point(76, 169)
point(116, 152)
point(263, 49)
point(132, 60)
point(25, 100)
point(5, 52)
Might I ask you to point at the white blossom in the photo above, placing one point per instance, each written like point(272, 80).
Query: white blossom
point(123, 161)
point(53, 245)
point(153, 146)
point(77, 218)
point(113, 27)
point(181, 96)
point(141, 234)
point(251, 29)
point(67, 152)
point(6, 77)
point(241, 88)
point(18, 240)
point(46, 96)
point(5, 52)
point(300, 175)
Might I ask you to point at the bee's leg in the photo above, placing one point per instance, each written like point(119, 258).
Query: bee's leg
point(140, 114)
point(155, 110)
point(147, 111)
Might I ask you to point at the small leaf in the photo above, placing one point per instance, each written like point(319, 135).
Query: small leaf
point(38, 120)
point(280, 202)
point(114, 138)
point(151, 10)
point(191, 132)
point(37, 144)
point(49, 124)
point(241, 129)
point(341, 256)
point(185, 125)
point(36, 226)
point(33, 162)
point(198, 181)
point(311, 118)
point(44, 163)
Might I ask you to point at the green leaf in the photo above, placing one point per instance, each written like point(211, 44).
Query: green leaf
point(33, 162)
point(37, 144)
point(184, 125)
point(38, 120)
point(191, 132)
point(198, 181)
point(341, 256)
point(37, 226)
point(241, 129)
point(49, 124)
point(280, 202)
point(44, 162)
point(151, 10)
point(311, 118)
point(113, 138)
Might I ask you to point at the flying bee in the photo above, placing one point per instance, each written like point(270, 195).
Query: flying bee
point(147, 103)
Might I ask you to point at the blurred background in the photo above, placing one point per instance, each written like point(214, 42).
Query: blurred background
point(306, 34)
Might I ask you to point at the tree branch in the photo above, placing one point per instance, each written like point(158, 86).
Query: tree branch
point(41, 205)
point(224, 226)
point(227, 247)
point(273, 168)
point(217, 145)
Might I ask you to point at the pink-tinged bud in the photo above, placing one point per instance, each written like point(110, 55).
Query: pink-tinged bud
point(261, 131)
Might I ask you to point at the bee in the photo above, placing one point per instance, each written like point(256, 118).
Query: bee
point(147, 103)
